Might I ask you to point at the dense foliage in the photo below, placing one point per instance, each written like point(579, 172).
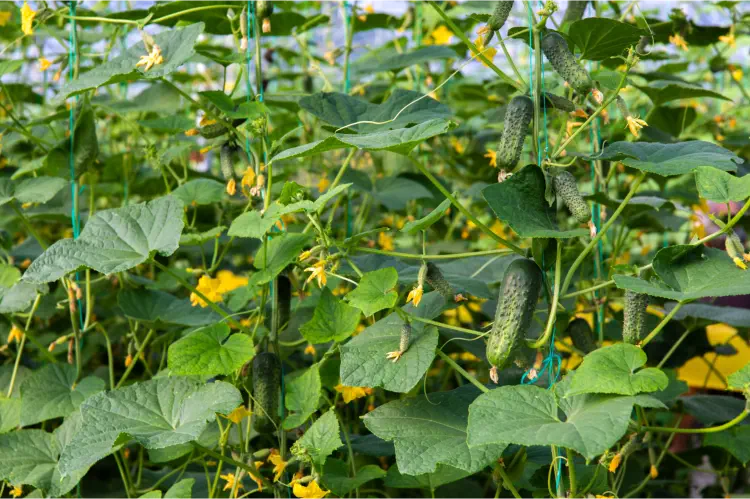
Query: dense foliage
point(325, 249)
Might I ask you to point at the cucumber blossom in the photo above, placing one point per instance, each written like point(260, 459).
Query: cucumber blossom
point(581, 335)
point(497, 19)
point(562, 59)
point(435, 279)
point(567, 189)
point(517, 118)
point(266, 386)
point(516, 303)
point(575, 10)
point(634, 322)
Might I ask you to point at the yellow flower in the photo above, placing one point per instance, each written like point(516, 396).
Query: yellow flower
point(229, 281)
point(468, 357)
point(128, 360)
point(464, 315)
point(488, 53)
point(4, 17)
point(415, 295)
point(737, 261)
point(204, 150)
point(248, 179)
point(15, 334)
point(729, 39)
point(369, 8)
point(231, 187)
point(653, 472)
point(192, 132)
point(350, 393)
point(678, 41)
point(152, 59)
point(318, 272)
point(457, 145)
point(27, 18)
point(385, 241)
point(579, 113)
point(323, 184)
point(492, 156)
point(737, 75)
point(613, 465)
point(210, 288)
point(44, 64)
point(310, 491)
point(278, 464)
point(635, 124)
point(305, 255)
point(441, 35)
point(17, 491)
point(240, 413)
point(206, 121)
point(231, 479)
point(310, 350)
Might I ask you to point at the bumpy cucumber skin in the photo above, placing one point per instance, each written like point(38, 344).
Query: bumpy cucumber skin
point(284, 290)
point(575, 10)
point(405, 338)
point(225, 156)
point(212, 131)
point(435, 279)
point(266, 385)
point(582, 336)
point(567, 189)
point(517, 118)
point(634, 323)
point(500, 14)
point(565, 63)
point(517, 300)
point(263, 9)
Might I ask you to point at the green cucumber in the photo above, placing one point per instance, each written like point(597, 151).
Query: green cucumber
point(634, 322)
point(225, 157)
point(212, 131)
point(266, 386)
point(405, 338)
point(517, 118)
point(562, 59)
point(516, 303)
point(581, 335)
point(497, 19)
point(434, 278)
point(575, 10)
point(567, 188)
point(734, 246)
point(263, 9)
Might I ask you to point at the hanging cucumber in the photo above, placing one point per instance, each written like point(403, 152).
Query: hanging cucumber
point(575, 11)
point(516, 303)
point(567, 188)
point(266, 386)
point(556, 50)
point(227, 164)
point(581, 335)
point(212, 131)
point(264, 9)
point(634, 322)
point(517, 118)
point(403, 344)
point(496, 20)
point(434, 278)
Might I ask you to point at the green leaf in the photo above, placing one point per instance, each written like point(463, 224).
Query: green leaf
point(157, 413)
point(687, 272)
point(612, 369)
point(200, 191)
point(336, 476)
point(211, 351)
point(426, 222)
point(114, 240)
point(719, 186)
point(302, 397)
point(85, 145)
point(671, 159)
point(158, 309)
point(396, 192)
point(38, 189)
point(396, 62)
point(9, 275)
point(529, 415)
point(432, 431)
point(333, 320)
point(600, 38)
point(430, 481)
point(400, 140)
point(200, 238)
point(340, 110)
point(740, 380)
point(363, 359)
point(175, 123)
point(663, 91)
point(735, 440)
point(19, 297)
point(319, 441)
point(52, 392)
point(181, 490)
point(519, 201)
point(733, 316)
point(375, 292)
point(252, 224)
point(282, 250)
point(176, 48)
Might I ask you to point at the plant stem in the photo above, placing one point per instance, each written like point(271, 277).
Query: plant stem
point(471, 379)
point(571, 472)
point(21, 345)
point(510, 61)
point(27, 224)
point(508, 482)
point(663, 323)
point(135, 358)
point(416, 256)
point(190, 11)
point(250, 468)
point(674, 347)
point(446, 326)
point(714, 429)
point(553, 306)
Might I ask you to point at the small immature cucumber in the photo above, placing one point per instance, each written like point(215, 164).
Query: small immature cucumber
point(266, 386)
point(517, 118)
point(405, 339)
point(497, 19)
point(516, 302)
point(562, 59)
point(225, 157)
point(582, 336)
point(284, 290)
point(263, 9)
point(435, 279)
point(567, 189)
point(212, 131)
point(634, 323)
point(575, 10)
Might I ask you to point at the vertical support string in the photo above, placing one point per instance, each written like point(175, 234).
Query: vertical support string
point(347, 88)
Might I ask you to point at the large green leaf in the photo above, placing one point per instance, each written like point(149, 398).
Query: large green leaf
point(157, 413)
point(661, 92)
point(396, 192)
point(719, 186)
point(30, 190)
point(740, 380)
point(114, 240)
point(252, 224)
point(302, 397)
point(376, 291)
point(733, 316)
point(429, 431)
point(735, 440)
point(52, 392)
point(336, 476)
point(397, 62)
point(615, 369)
point(275, 254)
point(519, 201)
point(180, 490)
point(200, 191)
point(340, 110)
point(85, 145)
point(19, 296)
point(319, 441)
point(211, 351)
point(530, 415)
point(671, 159)
point(176, 48)
point(363, 359)
point(333, 320)
point(400, 140)
point(431, 481)
point(159, 309)
point(600, 38)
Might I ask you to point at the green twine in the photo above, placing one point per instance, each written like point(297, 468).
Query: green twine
point(595, 139)
point(347, 86)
